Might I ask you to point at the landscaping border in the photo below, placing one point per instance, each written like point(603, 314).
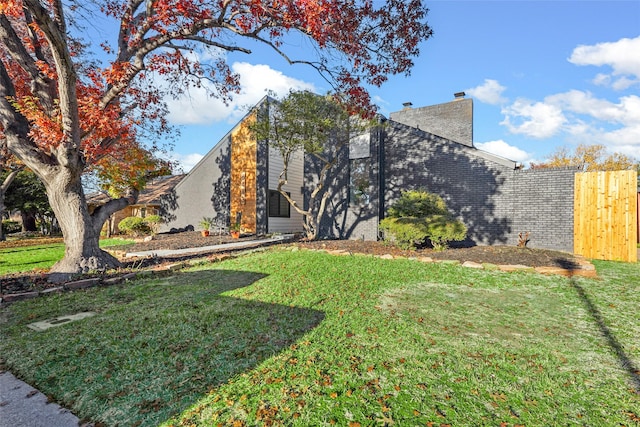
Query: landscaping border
point(583, 269)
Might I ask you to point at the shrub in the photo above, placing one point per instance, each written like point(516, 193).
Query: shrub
point(134, 226)
point(9, 226)
point(418, 203)
point(444, 229)
point(152, 221)
point(419, 216)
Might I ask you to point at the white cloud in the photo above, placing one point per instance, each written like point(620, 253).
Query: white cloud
point(197, 107)
point(489, 92)
point(503, 149)
point(534, 119)
point(624, 140)
point(594, 120)
point(186, 161)
point(622, 56)
point(626, 112)
point(582, 117)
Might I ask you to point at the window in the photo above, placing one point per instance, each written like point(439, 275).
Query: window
point(359, 182)
point(278, 205)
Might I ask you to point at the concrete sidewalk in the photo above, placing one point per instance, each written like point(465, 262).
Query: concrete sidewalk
point(241, 244)
point(23, 405)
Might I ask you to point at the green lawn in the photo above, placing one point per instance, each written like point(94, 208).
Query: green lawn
point(39, 257)
point(309, 339)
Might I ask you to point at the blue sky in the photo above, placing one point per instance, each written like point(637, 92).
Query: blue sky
point(542, 74)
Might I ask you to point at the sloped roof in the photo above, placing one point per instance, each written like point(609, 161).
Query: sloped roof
point(153, 191)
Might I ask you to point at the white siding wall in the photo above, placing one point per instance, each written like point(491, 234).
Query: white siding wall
point(195, 192)
point(293, 186)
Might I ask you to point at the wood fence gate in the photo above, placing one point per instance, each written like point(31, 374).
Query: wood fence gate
point(606, 215)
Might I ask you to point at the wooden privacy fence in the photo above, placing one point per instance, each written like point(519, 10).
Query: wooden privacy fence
point(606, 215)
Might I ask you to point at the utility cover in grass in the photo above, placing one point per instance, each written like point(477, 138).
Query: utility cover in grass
point(50, 323)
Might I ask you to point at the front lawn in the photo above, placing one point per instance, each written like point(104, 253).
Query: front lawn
point(305, 338)
point(24, 258)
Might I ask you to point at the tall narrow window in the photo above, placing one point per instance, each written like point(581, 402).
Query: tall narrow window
point(359, 182)
point(278, 205)
point(243, 188)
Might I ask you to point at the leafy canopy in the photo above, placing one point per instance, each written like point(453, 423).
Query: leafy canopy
point(304, 124)
point(60, 112)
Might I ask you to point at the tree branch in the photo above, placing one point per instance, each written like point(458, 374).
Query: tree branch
point(16, 127)
point(67, 78)
point(41, 85)
point(102, 213)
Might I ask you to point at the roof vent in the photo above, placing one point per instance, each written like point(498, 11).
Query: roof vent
point(407, 105)
point(459, 95)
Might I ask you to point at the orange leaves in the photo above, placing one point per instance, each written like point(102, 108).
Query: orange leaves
point(46, 130)
point(266, 413)
point(117, 72)
point(11, 8)
point(359, 45)
point(633, 416)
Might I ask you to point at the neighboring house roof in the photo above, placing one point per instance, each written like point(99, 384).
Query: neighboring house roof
point(150, 195)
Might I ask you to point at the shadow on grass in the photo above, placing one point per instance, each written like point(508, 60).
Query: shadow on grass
point(623, 359)
point(153, 351)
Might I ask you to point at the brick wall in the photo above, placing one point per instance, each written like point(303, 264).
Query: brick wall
point(495, 201)
point(541, 202)
point(470, 181)
point(342, 219)
point(452, 120)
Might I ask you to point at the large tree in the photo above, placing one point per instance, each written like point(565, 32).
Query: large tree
point(318, 127)
point(27, 195)
point(58, 115)
point(9, 169)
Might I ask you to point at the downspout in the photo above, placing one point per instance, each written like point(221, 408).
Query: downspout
point(267, 155)
point(381, 175)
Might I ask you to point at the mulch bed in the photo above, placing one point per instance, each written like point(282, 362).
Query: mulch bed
point(499, 255)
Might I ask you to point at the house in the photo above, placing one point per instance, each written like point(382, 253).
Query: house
point(428, 147)
point(152, 200)
point(236, 182)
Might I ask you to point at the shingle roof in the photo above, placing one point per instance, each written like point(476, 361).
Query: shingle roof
point(151, 194)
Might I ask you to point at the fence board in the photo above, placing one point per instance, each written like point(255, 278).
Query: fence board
point(606, 215)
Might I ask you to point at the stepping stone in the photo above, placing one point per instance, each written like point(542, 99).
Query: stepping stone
point(51, 323)
point(471, 264)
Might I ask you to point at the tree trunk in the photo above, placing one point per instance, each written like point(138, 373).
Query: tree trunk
point(80, 230)
point(3, 189)
point(28, 221)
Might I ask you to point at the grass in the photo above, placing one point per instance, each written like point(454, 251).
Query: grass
point(23, 259)
point(306, 338)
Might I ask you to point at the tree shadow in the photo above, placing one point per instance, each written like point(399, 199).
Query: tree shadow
point(475, 185)
point(623, 359)
point(168, 205)
point(342, 218)
point(221, 194)
point(182, 338)
point(472, 186)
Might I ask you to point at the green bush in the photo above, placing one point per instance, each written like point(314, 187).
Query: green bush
point(152, 221)
point(419, 216)
point(9, 226)
point(418, 203)
point(134, 226)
